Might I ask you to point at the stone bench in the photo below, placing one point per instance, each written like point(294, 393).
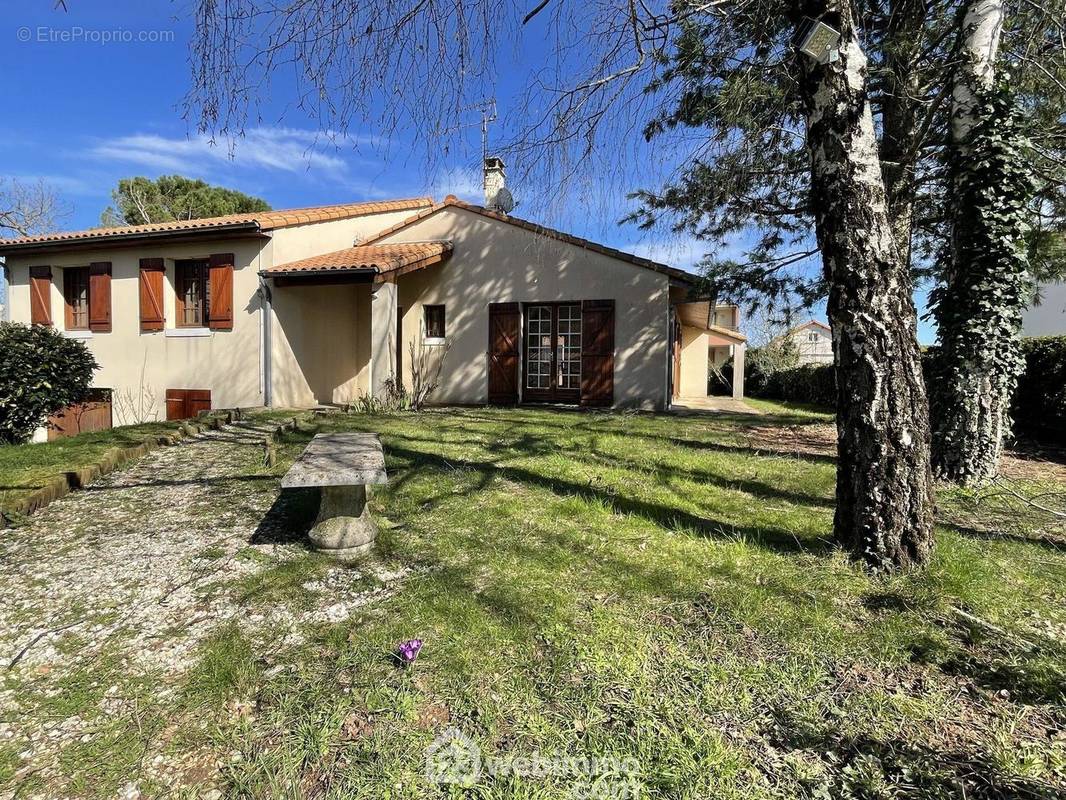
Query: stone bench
point(342, 465)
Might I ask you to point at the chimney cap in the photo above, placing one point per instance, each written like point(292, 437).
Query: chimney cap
point(493, 161)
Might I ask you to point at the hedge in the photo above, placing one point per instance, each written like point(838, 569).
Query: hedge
point(1039, 408)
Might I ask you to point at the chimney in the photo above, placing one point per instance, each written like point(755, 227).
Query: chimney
point(494, 181)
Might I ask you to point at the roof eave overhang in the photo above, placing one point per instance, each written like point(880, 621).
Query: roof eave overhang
point(236, 230)
point(306, 273)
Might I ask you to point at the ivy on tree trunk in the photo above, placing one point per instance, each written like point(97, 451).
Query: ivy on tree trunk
point(985, 286)
point(884, 482)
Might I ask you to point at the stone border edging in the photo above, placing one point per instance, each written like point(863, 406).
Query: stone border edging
point(112, 459)
point(270, 448)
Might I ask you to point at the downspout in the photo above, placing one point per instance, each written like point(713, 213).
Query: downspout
point(266, 317)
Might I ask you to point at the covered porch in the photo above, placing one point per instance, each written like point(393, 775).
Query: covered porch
point(334, 322)
point(705, 337)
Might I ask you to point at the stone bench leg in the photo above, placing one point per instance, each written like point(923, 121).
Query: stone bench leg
point(344, 528)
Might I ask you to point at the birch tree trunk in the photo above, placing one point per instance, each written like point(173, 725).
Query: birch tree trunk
point(978, 305)
point(884, 484)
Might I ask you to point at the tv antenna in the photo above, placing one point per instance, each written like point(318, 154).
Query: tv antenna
point(488, 116)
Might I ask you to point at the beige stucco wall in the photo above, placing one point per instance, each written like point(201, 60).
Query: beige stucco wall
point(694, 354)
point(301, 241)
point(142, 366)
point(497, 262)
point(321, 344)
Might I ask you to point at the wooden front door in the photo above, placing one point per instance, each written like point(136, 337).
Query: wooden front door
point(551, 345)
point(504, 332)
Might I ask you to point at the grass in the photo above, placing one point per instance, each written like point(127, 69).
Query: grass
point(661, 589)
point(651, 588)
point(26, 468)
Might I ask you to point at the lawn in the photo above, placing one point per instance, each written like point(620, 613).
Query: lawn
point(657, 590)
point(27, 468)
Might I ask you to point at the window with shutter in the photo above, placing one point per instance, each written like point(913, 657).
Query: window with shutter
point(220, 292)
point(76, 298)
point(191, 293)
point(100, 297)
point(151, 294)
point(41, 295)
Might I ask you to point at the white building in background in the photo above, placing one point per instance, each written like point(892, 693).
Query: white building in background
point(813, 341)
point(1048, 318)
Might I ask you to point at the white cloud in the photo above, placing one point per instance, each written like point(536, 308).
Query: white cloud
point(277, 149)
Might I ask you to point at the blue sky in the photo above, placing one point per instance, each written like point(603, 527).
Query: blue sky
point(83, 112)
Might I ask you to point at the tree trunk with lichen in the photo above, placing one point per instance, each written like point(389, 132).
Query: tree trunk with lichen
point(979, 304)
point(884, 484)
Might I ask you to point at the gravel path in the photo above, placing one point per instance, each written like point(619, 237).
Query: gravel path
point(140, 568)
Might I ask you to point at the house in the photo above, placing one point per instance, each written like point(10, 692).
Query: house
point(813, 341)
point(324, 305)
point(1048, 318)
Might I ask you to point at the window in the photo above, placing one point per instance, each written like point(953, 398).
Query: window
point(76, 295)
point(812, 337)
point(191, 288)
point(434, 322)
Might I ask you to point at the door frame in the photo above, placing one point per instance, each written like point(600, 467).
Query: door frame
point(553, 394)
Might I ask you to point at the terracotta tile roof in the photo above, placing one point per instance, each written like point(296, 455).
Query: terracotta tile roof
point(257, 221)
point(454, 202)
point(378, 257)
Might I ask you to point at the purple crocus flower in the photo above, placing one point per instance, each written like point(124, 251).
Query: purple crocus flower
point(407, 652)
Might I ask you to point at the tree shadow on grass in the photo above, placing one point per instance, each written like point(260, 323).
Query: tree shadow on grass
point(664, 516)
point(969, 532)
point(863, 766)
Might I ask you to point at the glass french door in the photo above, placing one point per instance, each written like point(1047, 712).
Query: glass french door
point(552, 353)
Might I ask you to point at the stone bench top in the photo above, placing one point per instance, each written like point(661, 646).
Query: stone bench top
point(338, 459)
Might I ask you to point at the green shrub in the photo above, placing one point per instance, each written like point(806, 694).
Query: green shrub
point(41, 371)
point(1039, 408)
point(807, 383)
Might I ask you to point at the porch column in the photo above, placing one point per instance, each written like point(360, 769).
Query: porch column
point(738, 371)
point(383, 303)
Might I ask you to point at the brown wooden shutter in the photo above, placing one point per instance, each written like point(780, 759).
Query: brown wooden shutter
point(597, 352)
point(504, 338)
point(220, 313)
point(152, 294)
point(100, 297)
point(187, 403)
point(41, 295)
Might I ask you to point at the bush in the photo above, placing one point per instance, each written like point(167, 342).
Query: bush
point(807, 383)
point(41, 371)
point(1039, 408)
point(760, 365)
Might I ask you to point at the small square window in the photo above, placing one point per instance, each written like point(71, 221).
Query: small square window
point(434, 322)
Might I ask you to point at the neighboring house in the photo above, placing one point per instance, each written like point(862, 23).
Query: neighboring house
point(1049, 317)
point(324, 305)
point(813, 341)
